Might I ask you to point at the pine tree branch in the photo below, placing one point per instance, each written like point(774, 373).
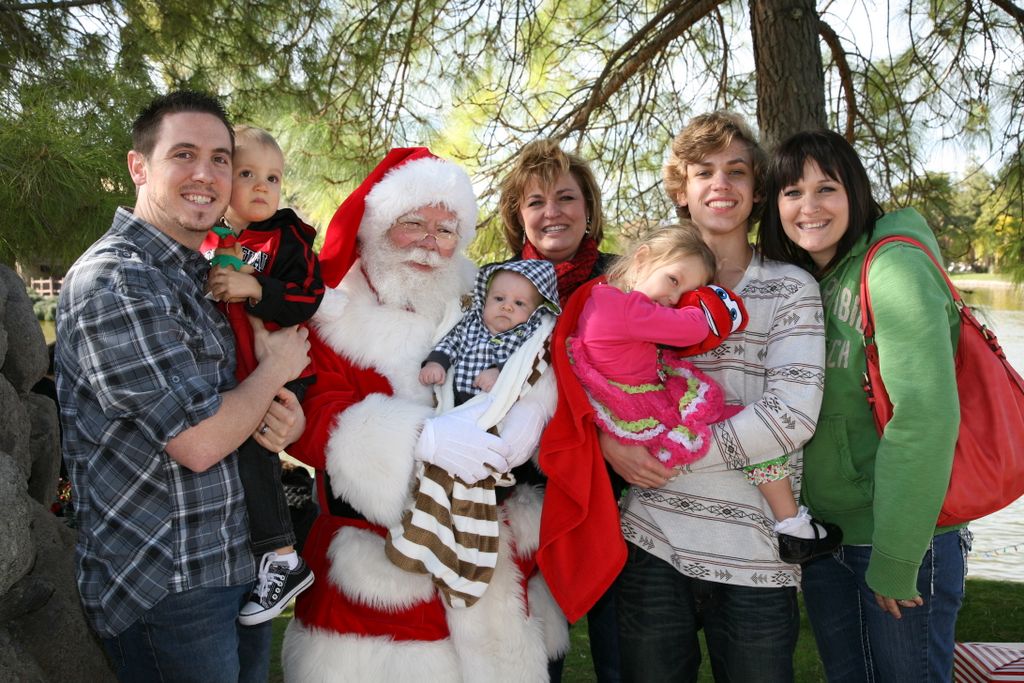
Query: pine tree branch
point(62, 4)
point(609, 82)
point(845, 73)
point(1013, 10)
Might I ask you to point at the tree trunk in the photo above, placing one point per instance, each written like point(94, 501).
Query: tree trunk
point(787, 61)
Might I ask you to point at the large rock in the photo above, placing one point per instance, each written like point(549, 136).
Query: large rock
point(29, 364)
point(43, 634)
point(15, 428)
point(15, 666)
point(53, 633)
point(43, 447)
point(4, 287)
point(17, 552)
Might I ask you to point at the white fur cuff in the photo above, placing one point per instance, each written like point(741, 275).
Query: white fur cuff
point(370, 455)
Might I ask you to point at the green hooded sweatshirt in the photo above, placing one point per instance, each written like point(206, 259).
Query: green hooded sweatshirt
point(886, 492)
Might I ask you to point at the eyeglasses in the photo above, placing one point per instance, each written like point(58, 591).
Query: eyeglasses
point(414, 232)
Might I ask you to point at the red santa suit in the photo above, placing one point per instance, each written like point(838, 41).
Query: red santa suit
point(364, 619)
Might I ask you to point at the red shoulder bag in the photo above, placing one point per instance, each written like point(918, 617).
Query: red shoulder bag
point(988, 464)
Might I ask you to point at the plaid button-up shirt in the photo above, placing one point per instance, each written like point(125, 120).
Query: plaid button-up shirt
point(142, 356)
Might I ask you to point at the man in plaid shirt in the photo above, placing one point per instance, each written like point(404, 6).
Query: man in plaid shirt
point(152, 415)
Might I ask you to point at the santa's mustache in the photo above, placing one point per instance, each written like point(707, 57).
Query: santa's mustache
point(424, 257)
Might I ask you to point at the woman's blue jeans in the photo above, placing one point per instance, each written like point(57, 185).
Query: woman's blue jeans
point(751, 632)
point(859, 642)
point(193, 636)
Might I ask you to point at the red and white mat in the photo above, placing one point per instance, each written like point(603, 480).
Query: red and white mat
point(985, 662)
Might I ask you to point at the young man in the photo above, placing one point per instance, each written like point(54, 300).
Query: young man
point(702, 553)
point(152, 416)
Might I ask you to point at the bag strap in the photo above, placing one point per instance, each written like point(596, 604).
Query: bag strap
point(867, 320)
point(967, 316)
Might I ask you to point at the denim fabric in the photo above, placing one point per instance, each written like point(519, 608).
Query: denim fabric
point(751, 632)
point(603, 629)
point(555, 668)
point(270, 522)
point(859, 642)
point(193, 636)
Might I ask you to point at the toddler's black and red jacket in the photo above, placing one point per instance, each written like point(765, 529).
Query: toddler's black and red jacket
point(280, 250)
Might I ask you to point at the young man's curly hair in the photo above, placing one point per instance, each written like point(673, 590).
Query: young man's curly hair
point(704, 135)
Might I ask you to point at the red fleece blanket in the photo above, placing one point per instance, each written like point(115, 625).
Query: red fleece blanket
point(581, 546)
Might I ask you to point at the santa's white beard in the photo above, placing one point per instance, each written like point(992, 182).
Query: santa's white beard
point(399, 284)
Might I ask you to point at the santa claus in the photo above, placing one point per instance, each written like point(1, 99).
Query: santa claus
point(394, 266)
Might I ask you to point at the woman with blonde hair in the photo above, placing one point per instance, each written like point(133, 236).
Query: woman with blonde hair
point(550, 205)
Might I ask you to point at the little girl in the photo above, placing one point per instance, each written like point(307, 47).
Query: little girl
point(645, 393)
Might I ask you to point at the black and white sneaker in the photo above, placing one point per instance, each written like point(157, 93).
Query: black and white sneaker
point(275, 587)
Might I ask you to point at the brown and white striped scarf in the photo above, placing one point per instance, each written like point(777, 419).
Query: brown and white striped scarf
point(450, 530)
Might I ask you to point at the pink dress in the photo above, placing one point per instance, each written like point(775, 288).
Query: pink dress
point(642, 392)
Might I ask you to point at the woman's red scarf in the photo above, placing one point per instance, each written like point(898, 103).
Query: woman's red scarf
point(572, 273)
point(581, 549)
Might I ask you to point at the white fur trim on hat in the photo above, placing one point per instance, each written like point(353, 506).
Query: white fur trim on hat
point(422, 182)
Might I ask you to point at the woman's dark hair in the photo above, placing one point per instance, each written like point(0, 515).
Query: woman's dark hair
point(839, 161)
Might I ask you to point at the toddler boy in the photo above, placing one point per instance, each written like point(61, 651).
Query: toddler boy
point(264, 265)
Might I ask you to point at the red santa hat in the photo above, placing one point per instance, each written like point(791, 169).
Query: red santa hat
point(406, 179)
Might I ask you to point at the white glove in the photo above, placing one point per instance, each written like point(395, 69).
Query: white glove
point(455, 443)
point(521, 430)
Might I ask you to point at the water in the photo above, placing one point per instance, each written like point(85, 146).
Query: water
point(999, 538)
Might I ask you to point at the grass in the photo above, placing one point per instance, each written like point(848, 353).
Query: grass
point(993, 611)
point(981, 277)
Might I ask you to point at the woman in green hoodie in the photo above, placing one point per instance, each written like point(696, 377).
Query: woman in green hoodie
point(883, 606)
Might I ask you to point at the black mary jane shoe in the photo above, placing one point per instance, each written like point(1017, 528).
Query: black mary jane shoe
point(795, 550)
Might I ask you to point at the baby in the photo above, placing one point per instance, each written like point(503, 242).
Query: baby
point(501, 319)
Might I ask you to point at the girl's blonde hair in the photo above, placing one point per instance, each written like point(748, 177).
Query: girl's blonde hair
point(661, 246)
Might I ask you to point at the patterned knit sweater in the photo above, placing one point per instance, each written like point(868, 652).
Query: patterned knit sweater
point(710, 523)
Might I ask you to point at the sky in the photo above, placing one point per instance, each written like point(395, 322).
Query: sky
point(882, 30)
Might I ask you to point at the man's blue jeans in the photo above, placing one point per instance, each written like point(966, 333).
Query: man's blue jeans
point(193, 636)
point(750, 632)
point(860, 642)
